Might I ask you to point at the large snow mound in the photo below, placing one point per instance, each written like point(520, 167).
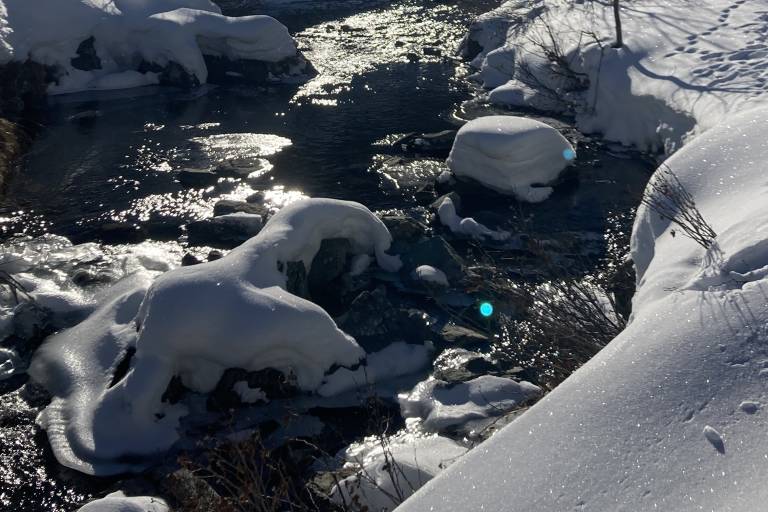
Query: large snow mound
point(680, 72)
point(669, 414)
point(195, 322)
point(125, 32)
point(511, 155)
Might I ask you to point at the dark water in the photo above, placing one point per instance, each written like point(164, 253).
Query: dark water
point(113, 158)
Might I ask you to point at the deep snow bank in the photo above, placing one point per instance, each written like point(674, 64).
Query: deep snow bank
point(683, 67)
point(511, 155)
point(668, 415)
point(195, 322)
point(102, 44)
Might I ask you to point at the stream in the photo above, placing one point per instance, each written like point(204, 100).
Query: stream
point(104, 167)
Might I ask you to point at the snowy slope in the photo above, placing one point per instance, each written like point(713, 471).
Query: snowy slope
point(684, 66)
point(127, 31)
point(669, 416)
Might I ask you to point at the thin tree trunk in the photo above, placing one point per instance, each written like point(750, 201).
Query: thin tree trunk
point(617, 16)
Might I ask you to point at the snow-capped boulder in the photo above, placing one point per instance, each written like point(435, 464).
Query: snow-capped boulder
point(195, 322)
point(99, 44)
point(430, 275)
point(512, 155)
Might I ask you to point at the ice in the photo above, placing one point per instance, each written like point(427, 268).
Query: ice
point(466, 226)
point(512, 155)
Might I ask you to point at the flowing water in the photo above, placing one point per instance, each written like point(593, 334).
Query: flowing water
point(384, 69)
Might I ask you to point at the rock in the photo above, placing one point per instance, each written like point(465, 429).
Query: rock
point(226, 231)
point(274, 384)
point(297, 282)
point(404, 229)
point(433, 144)
point(197, 177)
point(87, 59)
point(431, 50)
point(412, 57)
point(456, 335)
point(227, 206)
point(193, 493)
point(171, 74)
point(189, 259)
point(215, 255)
point(375, 322)
point(453, 196)
point(435, 252)
point(328, 265)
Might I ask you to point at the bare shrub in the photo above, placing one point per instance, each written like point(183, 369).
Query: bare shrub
point(667, 197)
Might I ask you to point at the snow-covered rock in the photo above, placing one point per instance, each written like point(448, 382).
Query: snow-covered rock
point(657, 418)
point(119, 502)
point(442, 406)
point(465, 226)
point(195, 322)
point(431, 275)
point(127, 32)
point(389, 470)
point(511, 155)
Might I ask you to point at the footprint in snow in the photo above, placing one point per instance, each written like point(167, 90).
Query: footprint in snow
point(714, 438)
point(749, 406)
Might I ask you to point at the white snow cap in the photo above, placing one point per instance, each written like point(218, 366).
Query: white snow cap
point(119, 502)
point(511, 154)
point(195, 322)
point(655, 420)
point(466, 226)
point(126, 31)
point(430, 274)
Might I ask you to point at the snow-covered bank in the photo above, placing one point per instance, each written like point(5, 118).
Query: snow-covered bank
point(668, 415)
point(196, 322)
point(102, 44)
point(683, 66)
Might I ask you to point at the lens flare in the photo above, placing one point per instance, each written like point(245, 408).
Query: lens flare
point(569, 154)
point(486, 309)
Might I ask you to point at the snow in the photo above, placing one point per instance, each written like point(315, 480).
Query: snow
point(388, 470)
point(444, 407)
point(430, 274)
point(395, 360)
point(119, 502)
point(195, 322)
point(466, 226)
point(680, 72)
point(656, 420)
point(511, 155)
point(248, 394)
point(127, 31)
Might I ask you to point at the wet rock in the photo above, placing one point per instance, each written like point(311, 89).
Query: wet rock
point(437, 144)
point(227, 206)
point(457, 335)
point(412, 57)
point(225, 71)
point(86, 277)
point(190, 259)
point(226, 231)
point(435, 252)
point(431, 50)
point(197, 177)
point(175, 391)
point(215, 255)
point(87, 59)
point(273, 383)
